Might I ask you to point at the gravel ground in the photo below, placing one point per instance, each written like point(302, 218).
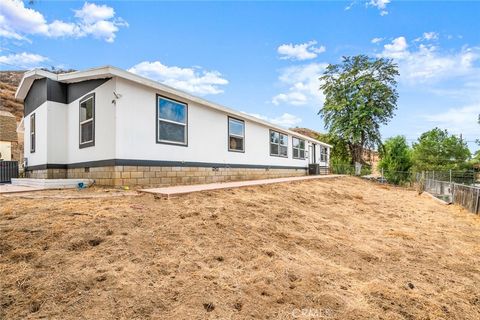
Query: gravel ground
point(339, 248)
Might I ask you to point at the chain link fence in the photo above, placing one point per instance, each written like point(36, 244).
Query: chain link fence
point(460, 187)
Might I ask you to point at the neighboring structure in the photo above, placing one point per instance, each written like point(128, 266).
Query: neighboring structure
point(372, 157)
point(119, 128)
point(8, 136)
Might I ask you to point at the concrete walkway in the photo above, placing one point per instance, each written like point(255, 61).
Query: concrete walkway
point(180, 190)
point(9, 188)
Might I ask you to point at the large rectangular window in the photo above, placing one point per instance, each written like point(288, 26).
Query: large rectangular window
point(32, 133)
point(171, 121)
point(236, 135)
point(278, 144)
point(298, 146)
point(87, 121)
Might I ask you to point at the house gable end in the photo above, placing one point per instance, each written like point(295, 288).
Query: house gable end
point(36, 96)
point(50, 90)
point(79, 89)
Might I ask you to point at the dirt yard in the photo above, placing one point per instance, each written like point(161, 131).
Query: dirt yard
point(340, 248)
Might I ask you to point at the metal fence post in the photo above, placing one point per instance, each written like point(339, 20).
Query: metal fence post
point(382, 176)
point(476, 204)
point(450, 172)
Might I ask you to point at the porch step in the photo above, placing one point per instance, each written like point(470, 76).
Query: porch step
point(52, 183)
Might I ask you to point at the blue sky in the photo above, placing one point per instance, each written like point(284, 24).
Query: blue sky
point(264, 58)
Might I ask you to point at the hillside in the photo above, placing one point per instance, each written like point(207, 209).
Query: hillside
point(310, 133)
point(9, 81)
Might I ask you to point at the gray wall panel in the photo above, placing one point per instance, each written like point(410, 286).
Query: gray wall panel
point(36, 96)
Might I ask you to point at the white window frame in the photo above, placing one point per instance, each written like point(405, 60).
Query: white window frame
point(236, 135)
point(278, 144)
point(323, 154)
point(298, 149)
point(159, 119)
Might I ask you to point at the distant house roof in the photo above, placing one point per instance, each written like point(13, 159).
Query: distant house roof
point(109, 72)
point(8, 126)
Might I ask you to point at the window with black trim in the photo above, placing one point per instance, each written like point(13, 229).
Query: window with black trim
point(323, 154)
point(87, 121)
point(171, 121)
point(236, 135)
point(32, 133)
point(298, 146)
point(278, 144)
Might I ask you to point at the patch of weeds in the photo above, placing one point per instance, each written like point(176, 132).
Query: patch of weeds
point(209, 306)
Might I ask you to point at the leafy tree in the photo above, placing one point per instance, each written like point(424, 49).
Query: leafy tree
point(438, 150)
point(396, 159)
point(339, 151)
point(360, 95)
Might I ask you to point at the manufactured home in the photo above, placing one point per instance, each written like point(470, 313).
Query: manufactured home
point(121, 129)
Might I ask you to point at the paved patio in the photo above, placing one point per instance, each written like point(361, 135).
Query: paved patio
point(181, 190)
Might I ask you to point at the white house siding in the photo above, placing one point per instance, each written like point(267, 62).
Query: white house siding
point(125, 129)
point(104, 147)
point(57, 135)
point(207, 133)
point(39, 157)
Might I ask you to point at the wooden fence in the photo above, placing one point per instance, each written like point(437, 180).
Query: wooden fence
point(464, 195)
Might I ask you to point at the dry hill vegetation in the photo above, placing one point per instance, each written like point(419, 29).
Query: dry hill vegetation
point(339, 248)
point(9, 81)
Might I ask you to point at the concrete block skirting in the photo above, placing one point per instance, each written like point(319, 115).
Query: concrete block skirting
point(157, 176)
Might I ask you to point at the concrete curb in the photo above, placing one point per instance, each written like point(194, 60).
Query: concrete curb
point(437, 199)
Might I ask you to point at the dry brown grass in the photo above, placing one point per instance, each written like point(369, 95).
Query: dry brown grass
point(9, 81)
point(341, 249)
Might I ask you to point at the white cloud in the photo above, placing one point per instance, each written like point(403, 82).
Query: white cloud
point(426, 63)
point(430, 35)
point(461, 120)
point(59, 28)
point(380, 5)
point(18, 21)
point(376, 40)
point(427, 36)
point(286, 120)
point(24, 60)
point(397, 49)
point(302, 51)
point(194, 80)
point(91, 13)
point(303, 85)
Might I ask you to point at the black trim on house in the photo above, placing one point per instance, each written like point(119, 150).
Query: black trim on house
point(36, 96)
point(57, 91)
point(157, 133)
point(91, 143)
point(156, 163)
point(50, 90)
point(79, 89)
point(228, 134)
